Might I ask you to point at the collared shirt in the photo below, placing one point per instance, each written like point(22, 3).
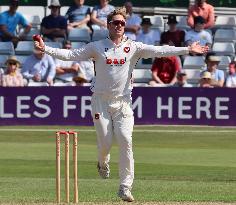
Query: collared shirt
point(77, 13)
point(103, 12)
point(150, 38)
point(206, 11)
point(11, 21)
point(114, 64)
point(166, 68)
point(203, 37)
point(133, 20)
point(44, 67)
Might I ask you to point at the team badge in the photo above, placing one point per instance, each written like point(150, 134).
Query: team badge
point(126, 49)
point(97, 116)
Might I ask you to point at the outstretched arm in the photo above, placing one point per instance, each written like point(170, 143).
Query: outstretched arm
point(149, 51)
point(84, 53)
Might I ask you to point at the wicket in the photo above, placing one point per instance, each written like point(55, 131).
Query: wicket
point(66, 135)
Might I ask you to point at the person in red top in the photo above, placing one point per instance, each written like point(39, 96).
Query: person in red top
point(173, 36)
point(201, 8)
point(164, 70)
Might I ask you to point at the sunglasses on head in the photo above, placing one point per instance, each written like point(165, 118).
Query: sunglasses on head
point(117, 22)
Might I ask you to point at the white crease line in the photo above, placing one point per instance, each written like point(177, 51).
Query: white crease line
point(138, 130)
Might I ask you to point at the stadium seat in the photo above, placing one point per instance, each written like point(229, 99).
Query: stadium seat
point(22, 59)
point(224, 48)
point(98, 35)
point(224, 62)
point(227, 22)
point(142, 75)
point(182, 23)
point(194, 62)
point(193, 75)
point(53, 44)
point(77, 45)
point(82, 35)
point(33, 19)
point(225, 35)
point(31, 11)
point(157, 22)
point(24, 48)
point(6, 48)
point(3, 59)
point(32, 32)
point(144, 64)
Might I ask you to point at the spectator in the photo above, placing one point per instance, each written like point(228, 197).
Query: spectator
point(173, 36)
point(203, 9)
point(217, 75)
point(164, 71)
point(12, 77)
point(231, 79)
point(206, 80)
point(66, 71)
point(8, 22)
point(78, 15)
point(147, 35)
point(54, 26)
point(182, 80)
point(39, 67)
point(133, 22)
point(198, 33)
point(99, 14)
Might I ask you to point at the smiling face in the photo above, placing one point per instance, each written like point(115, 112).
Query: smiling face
point(116, 26)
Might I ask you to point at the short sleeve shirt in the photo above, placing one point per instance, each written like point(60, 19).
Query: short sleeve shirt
point(76, 14)
point(176, 37)
point(11, 21)
point(103, 12)
point(203, 37)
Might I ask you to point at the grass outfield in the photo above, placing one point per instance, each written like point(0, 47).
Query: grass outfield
point(171, 164)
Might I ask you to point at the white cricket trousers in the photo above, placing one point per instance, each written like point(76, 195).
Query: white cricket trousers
point(114, 116)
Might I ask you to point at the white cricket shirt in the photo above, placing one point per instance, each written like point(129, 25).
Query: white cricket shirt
point(114, 64)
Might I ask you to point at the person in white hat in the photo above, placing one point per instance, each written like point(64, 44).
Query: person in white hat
point(115, 58)
point(206, 80)
point(54, 26)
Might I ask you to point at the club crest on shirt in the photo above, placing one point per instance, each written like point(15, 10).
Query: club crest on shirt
point(126, 49)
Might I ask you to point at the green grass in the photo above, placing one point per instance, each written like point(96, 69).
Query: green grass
point(183, 164)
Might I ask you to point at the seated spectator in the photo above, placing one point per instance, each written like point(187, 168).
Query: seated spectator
point(205, 81)
point(133, 22)
point(12, 76)
point(173, 36)
point(54, 26)
point(217, 75)
point(198, 33)
point(8, 22)
point(182, 80)
point(203, 9)
point(99, 14)
point(80, 79)
point(164, 70)
point(147, 35)
point(231, 78)
point(78, 15)
point(66, 71)
point(39, 67)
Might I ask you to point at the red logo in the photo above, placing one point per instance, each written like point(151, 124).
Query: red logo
point(126, 49)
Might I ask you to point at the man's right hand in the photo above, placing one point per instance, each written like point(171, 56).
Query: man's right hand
point(39, 44)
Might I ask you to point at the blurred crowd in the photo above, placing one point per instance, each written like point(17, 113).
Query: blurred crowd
point(40, 69)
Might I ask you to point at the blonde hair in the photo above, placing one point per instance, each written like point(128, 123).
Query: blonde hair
point(118, 11)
